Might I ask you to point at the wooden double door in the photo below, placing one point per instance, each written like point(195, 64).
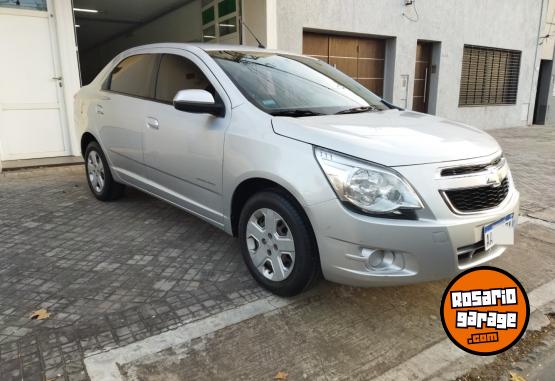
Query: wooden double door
point(360, 58)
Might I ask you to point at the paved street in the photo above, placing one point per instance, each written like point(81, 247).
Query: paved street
point(113, 274)
point(110, 274)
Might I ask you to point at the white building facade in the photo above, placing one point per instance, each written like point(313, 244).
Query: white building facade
point(474, 61)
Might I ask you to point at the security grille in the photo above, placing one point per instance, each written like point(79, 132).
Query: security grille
point(489, 76)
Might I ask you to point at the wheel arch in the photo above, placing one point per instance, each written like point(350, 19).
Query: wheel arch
point(89, 137)
point(86, 139)
point(249, 187)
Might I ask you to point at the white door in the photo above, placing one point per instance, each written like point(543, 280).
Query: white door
point(32, 122)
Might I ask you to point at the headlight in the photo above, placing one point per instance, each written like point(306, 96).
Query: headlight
point(369, 187)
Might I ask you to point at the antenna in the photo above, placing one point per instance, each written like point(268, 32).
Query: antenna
point(260, 44)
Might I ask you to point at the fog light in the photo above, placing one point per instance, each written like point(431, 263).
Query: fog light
point(375, 258)
point(384, 262)
point(381, 259)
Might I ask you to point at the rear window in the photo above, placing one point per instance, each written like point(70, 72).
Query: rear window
point(135, 76)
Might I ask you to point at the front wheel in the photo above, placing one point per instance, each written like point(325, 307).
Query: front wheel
point(277, 244)
point(99, 177)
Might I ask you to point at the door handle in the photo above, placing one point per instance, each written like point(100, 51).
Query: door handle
point(152, 123)
point(425, 84)
point(99, 110)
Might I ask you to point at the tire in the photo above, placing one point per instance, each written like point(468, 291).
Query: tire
point(99, 177)
point(282, 266)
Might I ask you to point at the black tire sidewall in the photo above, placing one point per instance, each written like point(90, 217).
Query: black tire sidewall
point(306, 263)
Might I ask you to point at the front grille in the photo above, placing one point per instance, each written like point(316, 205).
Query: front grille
point(478, 199)
point(465, 170)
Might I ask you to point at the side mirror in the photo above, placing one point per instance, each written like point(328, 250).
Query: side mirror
point(198, 102)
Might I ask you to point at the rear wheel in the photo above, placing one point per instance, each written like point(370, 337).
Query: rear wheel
point(277, 244)
point(99, 177)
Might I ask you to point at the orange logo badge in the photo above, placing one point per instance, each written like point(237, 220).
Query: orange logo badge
point(485, 311)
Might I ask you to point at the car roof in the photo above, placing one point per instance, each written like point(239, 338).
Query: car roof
point(209, 47)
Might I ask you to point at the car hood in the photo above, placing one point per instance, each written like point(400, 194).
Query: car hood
point(391, 137)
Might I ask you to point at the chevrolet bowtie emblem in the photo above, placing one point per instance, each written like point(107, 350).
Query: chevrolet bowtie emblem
point(493, 177)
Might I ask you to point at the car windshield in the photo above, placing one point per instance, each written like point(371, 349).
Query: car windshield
point(290, 85)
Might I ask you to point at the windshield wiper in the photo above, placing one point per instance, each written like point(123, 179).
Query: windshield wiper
point(295, 113)
point(356, 110)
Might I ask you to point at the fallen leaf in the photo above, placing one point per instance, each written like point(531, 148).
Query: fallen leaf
point(516, 377)
point(40, 314)
point(281, 376)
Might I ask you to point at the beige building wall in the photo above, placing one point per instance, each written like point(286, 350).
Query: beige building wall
point(548, 43)
point(508, 24)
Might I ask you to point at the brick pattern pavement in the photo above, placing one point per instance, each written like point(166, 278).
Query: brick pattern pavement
point(110, 273)
point(531, 156)
point(115, 273)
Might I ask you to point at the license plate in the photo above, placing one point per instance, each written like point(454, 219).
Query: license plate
point(501, 232)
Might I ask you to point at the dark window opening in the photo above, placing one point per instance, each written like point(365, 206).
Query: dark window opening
point(135, 76)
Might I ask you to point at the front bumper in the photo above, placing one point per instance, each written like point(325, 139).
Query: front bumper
point(425, 249)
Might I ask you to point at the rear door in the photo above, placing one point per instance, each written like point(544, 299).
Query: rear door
point(121, 114)
point(184, 151)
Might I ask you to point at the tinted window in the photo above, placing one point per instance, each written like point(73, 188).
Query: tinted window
point(135, 75)
point(178, 73)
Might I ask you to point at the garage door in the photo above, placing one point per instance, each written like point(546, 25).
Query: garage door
point(361, 58)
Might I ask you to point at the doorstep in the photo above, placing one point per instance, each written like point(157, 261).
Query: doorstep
point(14, 165)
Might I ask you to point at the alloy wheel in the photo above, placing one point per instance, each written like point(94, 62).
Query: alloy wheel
point(95, 169)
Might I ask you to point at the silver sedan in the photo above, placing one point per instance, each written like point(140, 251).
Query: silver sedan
point(311, 171)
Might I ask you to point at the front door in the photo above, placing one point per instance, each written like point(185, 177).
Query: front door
point(32, 121)
point(422, 72)
point(183, 150)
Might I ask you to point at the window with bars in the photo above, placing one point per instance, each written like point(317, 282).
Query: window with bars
point(489, 76)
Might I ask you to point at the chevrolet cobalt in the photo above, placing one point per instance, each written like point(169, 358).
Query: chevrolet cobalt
point(310, 170)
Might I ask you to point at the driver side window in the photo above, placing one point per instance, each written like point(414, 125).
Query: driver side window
point(178, 73)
